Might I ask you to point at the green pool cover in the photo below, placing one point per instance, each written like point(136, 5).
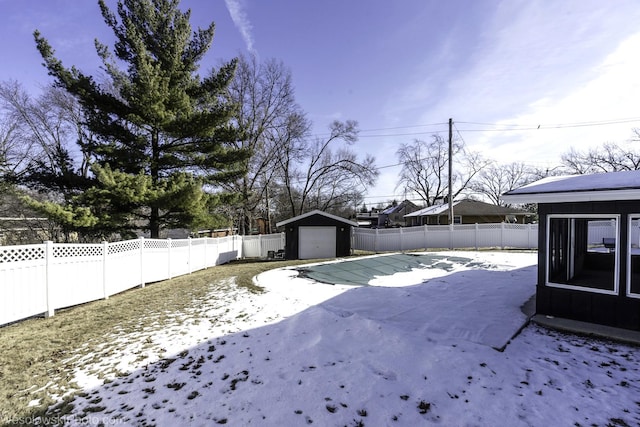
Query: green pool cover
point(360, 271)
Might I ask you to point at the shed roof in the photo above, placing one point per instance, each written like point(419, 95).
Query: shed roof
point(579, 188)
point(316, 212)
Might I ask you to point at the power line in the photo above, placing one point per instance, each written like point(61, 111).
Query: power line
point(519, 128)
point(393, 128)
point(405, 127)
point(459, 134)
point(497, 127)
point(501, 128)
point(402, 134)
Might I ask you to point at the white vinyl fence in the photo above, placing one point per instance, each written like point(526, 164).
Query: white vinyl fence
point(598, 230)
point(39, 279)
point(459, 236)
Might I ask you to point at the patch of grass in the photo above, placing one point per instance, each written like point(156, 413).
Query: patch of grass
point(39, 354)
point(176, 385)
point(424, 407)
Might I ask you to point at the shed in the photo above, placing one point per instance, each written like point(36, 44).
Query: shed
point(589, 246)
point(317, 234)
point(466, 211)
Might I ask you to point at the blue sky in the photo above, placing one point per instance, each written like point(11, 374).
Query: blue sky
point(402, 69)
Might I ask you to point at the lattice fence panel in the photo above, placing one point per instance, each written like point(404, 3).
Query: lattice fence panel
point(156, 244)
point(182, 243)
point(123, 247)
point(22, 253)
point(77, 251)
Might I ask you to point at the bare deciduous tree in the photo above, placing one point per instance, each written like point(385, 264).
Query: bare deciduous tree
point(265, 98)
point(46, 137)
point(318, 175)
point(40, 148)
point(288, 173)
point(610, 157)
point(495, 180)
point(425, 168)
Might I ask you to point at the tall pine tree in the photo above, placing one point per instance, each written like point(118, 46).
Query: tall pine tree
point(161, 132)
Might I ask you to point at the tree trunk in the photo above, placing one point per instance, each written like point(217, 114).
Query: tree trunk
point(154, 223)
point(244, 228)
point(154, 220)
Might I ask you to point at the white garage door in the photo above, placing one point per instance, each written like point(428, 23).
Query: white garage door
point(316, 242)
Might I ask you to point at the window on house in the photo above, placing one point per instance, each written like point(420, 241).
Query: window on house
point(633, 253)
point(583, 252)
point(457, 219)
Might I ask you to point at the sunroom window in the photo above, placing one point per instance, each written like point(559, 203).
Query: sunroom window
point(633, 264)
point(583, 252)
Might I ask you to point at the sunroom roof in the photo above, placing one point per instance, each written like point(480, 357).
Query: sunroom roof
point(579, 188)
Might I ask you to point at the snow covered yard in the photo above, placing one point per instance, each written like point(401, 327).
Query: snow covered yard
point(415, 348)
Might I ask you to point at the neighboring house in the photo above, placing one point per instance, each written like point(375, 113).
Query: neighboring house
point(589, 247)
point(261, 226)
point(24, 230)
point(218, 232)
point(20, 225)
point(394, 215)
point(368, 219)
point(467, 211)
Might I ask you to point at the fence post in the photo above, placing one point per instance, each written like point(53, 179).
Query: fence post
point(216, 250)
point(451, 236)
point(234, 245)
point(169, 258)
point(502, 235)
point(141, 241)
point(204, 252)
point(476, 236)
point(352, 240)
point(375, 242)
point(529, 234)
point(401, 240)
point(189, 257)
point(426, 232)
point(48, 256)
point(105, 251)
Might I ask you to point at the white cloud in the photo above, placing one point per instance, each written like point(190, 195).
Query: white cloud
point(242, 23)
point(611, 95)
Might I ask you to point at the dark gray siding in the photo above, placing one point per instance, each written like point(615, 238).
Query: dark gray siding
point(343, 235)
point(612, 310)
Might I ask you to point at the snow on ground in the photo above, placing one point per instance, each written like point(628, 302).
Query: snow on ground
point(415, 349)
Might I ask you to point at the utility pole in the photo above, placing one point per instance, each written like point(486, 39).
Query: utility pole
point(266, 186)
point(450, 171)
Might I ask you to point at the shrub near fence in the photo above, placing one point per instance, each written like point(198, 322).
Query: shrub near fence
point(39, 279)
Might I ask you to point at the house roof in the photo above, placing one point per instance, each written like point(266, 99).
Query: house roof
point(433, 210)
point(579, 188)
point(316, 212)
point(467, 207)
point(398, 207)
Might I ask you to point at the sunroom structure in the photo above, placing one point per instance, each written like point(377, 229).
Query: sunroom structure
point(589, 246)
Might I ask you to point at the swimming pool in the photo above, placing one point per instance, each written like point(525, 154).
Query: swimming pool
point(360, 271)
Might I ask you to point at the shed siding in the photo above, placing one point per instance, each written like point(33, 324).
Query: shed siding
point(612, 310)
point(342, 230)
